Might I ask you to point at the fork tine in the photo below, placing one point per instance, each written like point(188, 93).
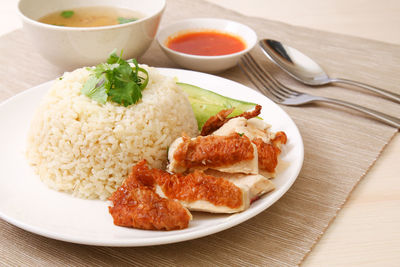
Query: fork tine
point(254, 78)
point(278, 86)
point(269, 84)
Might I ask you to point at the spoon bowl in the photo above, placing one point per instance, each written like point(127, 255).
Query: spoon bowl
point(306, 70)
point(295, 63)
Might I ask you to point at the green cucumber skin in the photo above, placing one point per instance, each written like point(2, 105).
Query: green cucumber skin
point(206, 103)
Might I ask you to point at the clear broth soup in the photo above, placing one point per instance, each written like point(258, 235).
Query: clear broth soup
point(91, 17)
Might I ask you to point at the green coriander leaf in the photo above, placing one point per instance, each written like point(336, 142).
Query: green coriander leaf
point(117, 81)
point(124, 73)
point(143, 81)
point(96, 89)
point(122, 20)
point(90, 85)
point(137, 94)
point(136, 68)
point(104, 68)
point(113, 58)
point(67, 14)
point(100, 94)
point(125, 90)
point(123, 93)
point(240, 134)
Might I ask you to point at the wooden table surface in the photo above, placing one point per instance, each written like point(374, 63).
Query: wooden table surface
point(367, 230)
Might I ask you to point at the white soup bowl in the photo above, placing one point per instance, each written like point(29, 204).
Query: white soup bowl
point(71, 47)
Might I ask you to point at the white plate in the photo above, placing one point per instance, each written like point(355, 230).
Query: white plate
point(27, 203)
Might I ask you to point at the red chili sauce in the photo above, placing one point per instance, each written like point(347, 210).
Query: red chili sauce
point(206, 43)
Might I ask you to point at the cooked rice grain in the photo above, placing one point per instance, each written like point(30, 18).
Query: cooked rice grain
point(81, 147)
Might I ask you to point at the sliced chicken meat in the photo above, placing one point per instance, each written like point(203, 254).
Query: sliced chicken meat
point(268, 143)
point(254, 185)
point(216, 121)
point(195, 191)
point(136, 204)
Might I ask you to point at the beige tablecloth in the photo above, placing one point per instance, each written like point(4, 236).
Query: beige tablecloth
point(340, 147)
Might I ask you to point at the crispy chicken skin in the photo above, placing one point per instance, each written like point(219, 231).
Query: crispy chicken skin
point(136, 204)
point(232, 153)
point(214, 150)
point(199, 186)
point(218, 151)
point(191, 187)
point(268, 144)
point(155, 200)
point(254, 185)
point(268, 153)
point(216, 121)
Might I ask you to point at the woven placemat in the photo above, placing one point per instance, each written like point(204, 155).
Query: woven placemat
point(340, 147)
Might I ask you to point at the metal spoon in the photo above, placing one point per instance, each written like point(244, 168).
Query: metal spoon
point(306, 70)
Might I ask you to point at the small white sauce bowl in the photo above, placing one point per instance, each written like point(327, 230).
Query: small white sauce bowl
point(210, 64)
point(71, 47)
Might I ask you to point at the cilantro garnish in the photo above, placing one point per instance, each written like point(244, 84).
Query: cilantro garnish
point(116, 81)
point(122, 20)
point(67, 13)
point(240, 134)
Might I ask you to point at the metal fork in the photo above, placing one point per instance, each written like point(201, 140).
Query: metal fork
point(281, 94)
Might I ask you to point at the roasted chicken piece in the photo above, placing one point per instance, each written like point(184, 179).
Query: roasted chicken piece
point(268, 152)
point(268, 143)
point(201, 192)
point(136, 204)
point(254, 185)
point(233, 153)
point(239, 146)
point(196, 191)
point(216, 121)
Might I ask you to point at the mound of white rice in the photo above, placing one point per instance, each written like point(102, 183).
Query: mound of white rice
point(81, 147)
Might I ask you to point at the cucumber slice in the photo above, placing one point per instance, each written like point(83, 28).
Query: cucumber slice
point(206, 103)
